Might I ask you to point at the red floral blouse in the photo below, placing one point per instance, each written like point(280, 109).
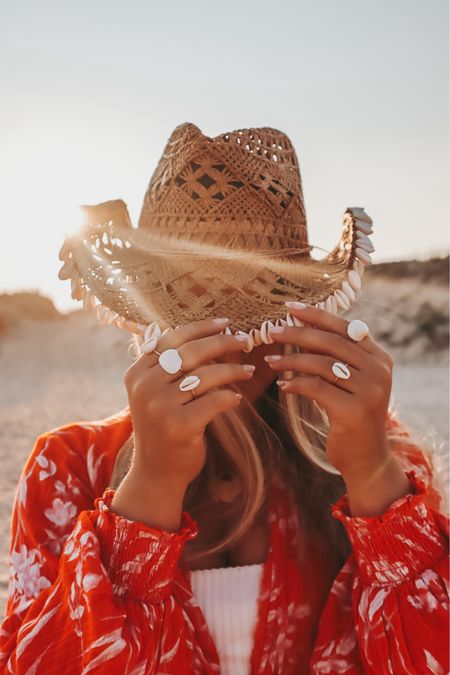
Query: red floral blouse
point(93, 592)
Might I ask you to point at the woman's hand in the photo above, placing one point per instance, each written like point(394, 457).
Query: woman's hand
point(356, 407)
point(168, 423)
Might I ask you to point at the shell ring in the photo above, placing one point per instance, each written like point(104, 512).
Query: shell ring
point(189, 383)
point(357, 330)
point(341, 371)
point(170, 360)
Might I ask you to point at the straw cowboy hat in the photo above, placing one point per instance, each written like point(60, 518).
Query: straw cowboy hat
point(222, 232)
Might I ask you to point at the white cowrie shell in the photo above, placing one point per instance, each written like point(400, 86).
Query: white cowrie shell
point(293, 320)
point(365, 243)
point(348, 290)
point(256, 336)
point(331, 304)
point(360, 236)
point(89, 302)
point(359, 267)
point(189, 382)
point(357, 330)
point(64, 251)
point(369, 248)
point(227, 331)
point(66, 270)
point(265, 337)
point(359, 213)
point(170, 361)
point(251, 344)
point(354, 280)
point(342, 301)
point(290, 319)
point(340, 370)
point(152, 330)
point(320, 305)
point(363, 256)
point(149, 346)
point(363, 226)
point(250, 341)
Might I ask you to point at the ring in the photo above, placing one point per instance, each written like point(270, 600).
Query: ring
point(170, 360)
point(189, 383)
point(340, 370)
point(357, 330)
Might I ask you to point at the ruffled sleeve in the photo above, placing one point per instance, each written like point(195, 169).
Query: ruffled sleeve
point(140, 561)
point(387, 611)
point(99, 599)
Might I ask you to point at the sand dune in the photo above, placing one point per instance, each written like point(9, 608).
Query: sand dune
point(61, 368)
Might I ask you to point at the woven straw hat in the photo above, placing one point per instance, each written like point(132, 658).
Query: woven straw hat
point(222, 232)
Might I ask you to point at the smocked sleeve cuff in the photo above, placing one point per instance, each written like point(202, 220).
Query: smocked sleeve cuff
point(140, 560)
point(400, 543)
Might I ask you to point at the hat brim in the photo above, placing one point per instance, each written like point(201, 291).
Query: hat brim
point(135, 277)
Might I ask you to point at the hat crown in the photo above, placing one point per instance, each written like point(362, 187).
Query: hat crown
point(202, 184)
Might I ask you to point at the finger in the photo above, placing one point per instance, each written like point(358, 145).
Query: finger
point(327, 396)
point(212, 376)
point(315, 316)
point(191, 331)
point(316, 364)
point(176, 337)
point(321, 342)
point(199, 412)
point(197, 352)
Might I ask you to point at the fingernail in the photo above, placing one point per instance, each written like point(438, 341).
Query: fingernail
point(276, 329)
point(295, 304)
point(281, 383)
point(272, 357)
point(221, 321)
point(241, 338)
point(249, 368)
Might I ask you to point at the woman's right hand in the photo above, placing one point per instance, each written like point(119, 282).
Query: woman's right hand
point(168, 423)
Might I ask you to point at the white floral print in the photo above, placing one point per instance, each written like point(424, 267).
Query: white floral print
point(61, 512)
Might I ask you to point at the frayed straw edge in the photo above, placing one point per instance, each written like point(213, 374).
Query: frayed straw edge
point(341, 298)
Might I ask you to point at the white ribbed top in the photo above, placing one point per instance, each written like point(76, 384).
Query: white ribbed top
point(228, 597)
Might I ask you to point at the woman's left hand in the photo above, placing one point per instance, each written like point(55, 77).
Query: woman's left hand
point(357, 407)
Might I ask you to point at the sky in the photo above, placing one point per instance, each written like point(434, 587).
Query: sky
point(91, 91)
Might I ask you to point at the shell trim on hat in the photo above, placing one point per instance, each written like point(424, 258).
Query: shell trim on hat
point(340, 299)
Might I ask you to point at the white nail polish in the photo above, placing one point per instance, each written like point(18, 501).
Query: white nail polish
point(295, 304)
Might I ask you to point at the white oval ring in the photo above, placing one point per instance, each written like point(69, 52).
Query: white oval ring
point(189, 382)
point(340, 370)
